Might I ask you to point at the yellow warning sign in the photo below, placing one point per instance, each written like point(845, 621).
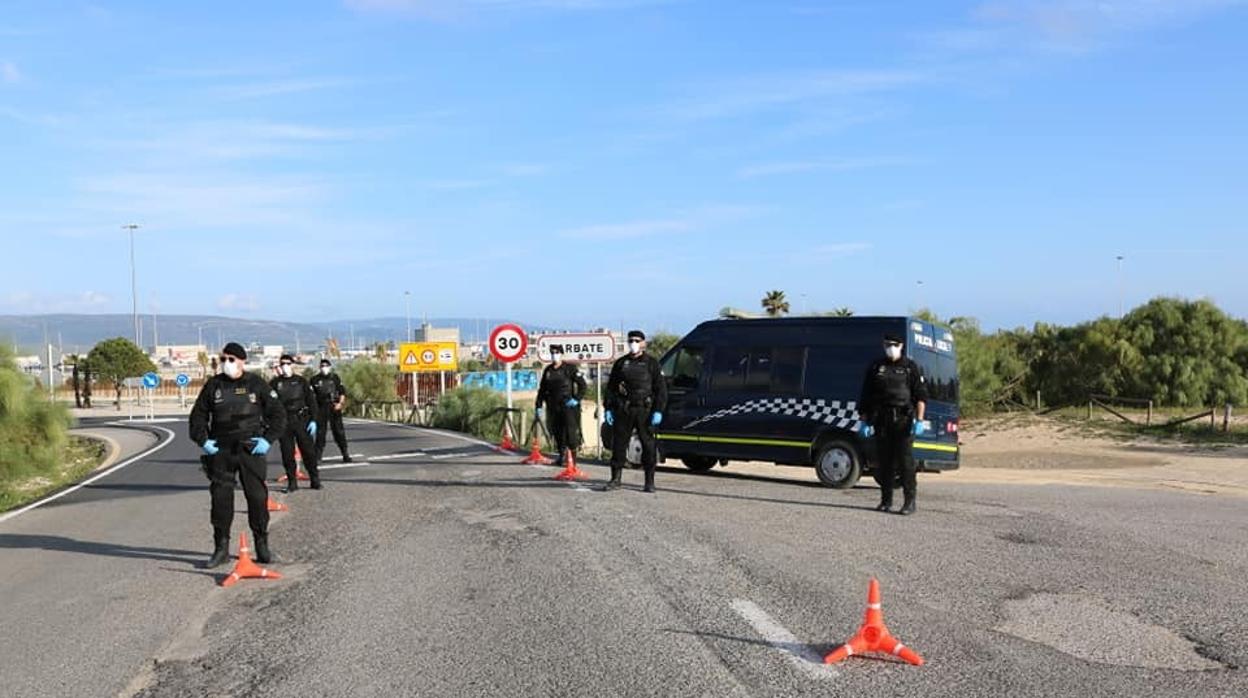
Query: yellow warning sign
point(419, 357)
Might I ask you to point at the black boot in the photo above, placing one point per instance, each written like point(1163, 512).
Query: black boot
point(649, 481)
point(292, 483)
point(316, 483)
point(220, 548)
point(263, 555)
point(886, 500)
point(614, 483)
point(907, 507)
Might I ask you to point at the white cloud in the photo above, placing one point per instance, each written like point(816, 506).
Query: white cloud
point(1065, 25)
point(275, 88)
point(29, 302)
point(767, 92)
point(800, 166)
point(201, 200)
point(9, 73)
point(238, 302)
point(697, 219)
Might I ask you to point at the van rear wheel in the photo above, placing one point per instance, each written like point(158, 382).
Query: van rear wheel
point(699, 464)
point(837, 465)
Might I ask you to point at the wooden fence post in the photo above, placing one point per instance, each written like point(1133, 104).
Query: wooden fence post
point(1089, 410)
point(1213, 417)
point(1226, 418)
point(1148, 420)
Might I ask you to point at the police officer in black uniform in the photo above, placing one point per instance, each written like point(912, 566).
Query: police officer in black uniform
point(892, 408)
point(636, 397)
point(235, 421)
point(301, 427)
point(560, 394)
point(330, 399)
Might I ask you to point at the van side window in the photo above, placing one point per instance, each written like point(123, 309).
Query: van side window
point(728, 368)
point(685, 368)
point(758, 379)
point(787, 364)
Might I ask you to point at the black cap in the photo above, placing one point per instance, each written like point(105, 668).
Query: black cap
point(286, 357)
point(894, 338)
point(556, 348)
point(636, 334)
point(325, 362)
point(236, 350)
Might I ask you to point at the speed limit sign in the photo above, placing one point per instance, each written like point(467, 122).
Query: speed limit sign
point(508, 343)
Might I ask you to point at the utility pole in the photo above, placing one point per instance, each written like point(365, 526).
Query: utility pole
point(155, 336)
point(134, 293)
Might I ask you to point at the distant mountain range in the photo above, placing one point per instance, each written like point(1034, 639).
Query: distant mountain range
point(78, 333)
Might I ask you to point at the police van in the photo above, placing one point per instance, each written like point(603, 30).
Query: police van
point(786, 390)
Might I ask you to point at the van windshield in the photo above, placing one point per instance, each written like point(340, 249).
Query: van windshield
point(941, 372)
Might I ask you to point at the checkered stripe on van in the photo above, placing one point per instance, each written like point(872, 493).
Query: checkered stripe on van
point(841, 414)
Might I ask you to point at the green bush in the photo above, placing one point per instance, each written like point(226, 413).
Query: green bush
point(33, 431)
point(368, 380)
point(475, 411)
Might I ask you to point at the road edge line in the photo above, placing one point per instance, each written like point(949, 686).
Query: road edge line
point(169, 437)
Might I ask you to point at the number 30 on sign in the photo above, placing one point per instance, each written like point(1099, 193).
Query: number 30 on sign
point(508, 343)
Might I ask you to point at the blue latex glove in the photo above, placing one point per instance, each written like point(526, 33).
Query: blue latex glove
point(920, 427)
point(608, 418)
point(656, 419)
point(261, 447)
point(210, 447)
point(540, 412)
point(572, 402)
point(867, 431)
point(312, 429)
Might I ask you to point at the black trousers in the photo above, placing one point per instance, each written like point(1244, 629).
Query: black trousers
point(235, 462)
point(297, 435)
point(330, 419)
point(564, 424)
point(627, 420)
point(894, 452)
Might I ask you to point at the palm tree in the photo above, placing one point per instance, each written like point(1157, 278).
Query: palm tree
point(843, 311)
point(775, 304)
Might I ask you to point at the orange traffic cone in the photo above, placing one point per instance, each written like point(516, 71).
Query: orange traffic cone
point(570, 471)
point(274, 505)
point(506, 444)
point(873, 636)
point(246, 569)
point(535, 456)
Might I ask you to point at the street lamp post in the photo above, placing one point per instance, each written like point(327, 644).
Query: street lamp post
point(134, 292)
point(407, 297)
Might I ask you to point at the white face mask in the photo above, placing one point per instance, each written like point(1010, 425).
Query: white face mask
point(324, 370)
point(634, 347)
point(232, 369)
point(892, 352)
point(288, 371)
point(557, 359)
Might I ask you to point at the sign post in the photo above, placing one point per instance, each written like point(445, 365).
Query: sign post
point(182, 380)
point(508, 344)
point(427, 357)
point(151, 380)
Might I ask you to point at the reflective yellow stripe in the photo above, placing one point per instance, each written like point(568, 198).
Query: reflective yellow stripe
point(944, 448)
point(733, 440)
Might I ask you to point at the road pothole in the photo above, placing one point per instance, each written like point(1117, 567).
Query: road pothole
point(1089, 629)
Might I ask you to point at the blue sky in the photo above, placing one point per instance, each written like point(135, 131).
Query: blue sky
point(605, 162)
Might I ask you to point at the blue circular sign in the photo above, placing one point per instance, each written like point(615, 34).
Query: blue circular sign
point(183, 380)
point(151, 380)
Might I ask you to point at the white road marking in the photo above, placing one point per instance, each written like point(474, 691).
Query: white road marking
point(353, 455)
point(340, 466)
point(803, 657)
point(395, 456)
point(169, 437)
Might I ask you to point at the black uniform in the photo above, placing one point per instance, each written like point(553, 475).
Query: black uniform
point(233, 412)
point(297, 397)
point(328, 390)
point(635, 391)
point(559, 384)
point(891, 390)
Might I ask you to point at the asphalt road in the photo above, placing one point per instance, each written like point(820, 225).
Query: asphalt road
point(440, 567)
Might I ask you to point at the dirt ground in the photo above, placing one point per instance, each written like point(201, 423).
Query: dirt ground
point(1037, 451)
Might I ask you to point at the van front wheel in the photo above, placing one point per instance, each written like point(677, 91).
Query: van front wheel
point(837, 465)
point(699, 464)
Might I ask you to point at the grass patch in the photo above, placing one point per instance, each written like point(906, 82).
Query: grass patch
point(81, 456)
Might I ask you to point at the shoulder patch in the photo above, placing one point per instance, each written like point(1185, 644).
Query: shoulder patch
point(273, 393)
